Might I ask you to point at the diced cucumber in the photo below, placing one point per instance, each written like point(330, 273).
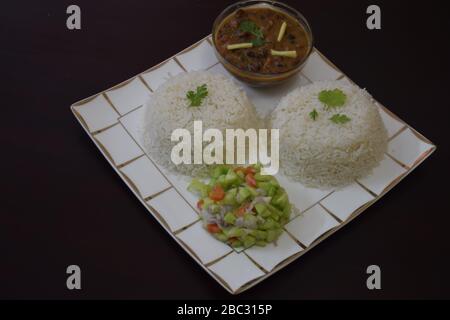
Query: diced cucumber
point(236, 243)
point(267, 178)
point(260, 207)
point(257, 166)
point(260, 177)
point(283, 220)
point(262, 192)
point(259, 234)
point(268, 224)
point(280, 200)
point(274, 210)
point(274, 182)
point(262, 210)
point(221, 180)
point(230, 197)
point(250, 219)
point(272, 191)
point(214, 208)
point(252, 191)
point(266, 213)
point(269, 187)
point(243, 194)
point(231, 177)
point(219, 170)
point(266, 186)
point(220, 236)
point(241, 175)
point(212, 182)
point(249, 241)
point(229, 218)
point(273, 234)
point(234, 232)
point(196, 186)
point(287, 210)
point(275, 216)
point(207, 202)
point(260, 243)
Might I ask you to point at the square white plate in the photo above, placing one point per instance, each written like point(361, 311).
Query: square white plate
point(166, 198)
point(174, 210)
point(97, 113)
point(408, 148)
point(387, 172)
point(118, 144)
point(160, 74)
point(273, 254)
point(236, 269)
point(311, 225)
point(128, 96)
point(200, 242)
point(145, 177)
point(342, 203)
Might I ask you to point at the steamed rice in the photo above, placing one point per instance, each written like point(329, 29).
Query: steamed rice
point(225, 107)
point(321, 153)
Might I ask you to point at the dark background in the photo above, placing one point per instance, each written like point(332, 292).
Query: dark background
point(62, 204)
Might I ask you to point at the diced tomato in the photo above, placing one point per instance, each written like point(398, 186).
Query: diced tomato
point(250, 169)
point(200, 204)
point(250, 179)
point(217, 193)
point(213, 228)
point(242, 209)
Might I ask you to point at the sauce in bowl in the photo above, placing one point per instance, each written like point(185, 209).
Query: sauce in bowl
point(260, 43)
point(258, 58)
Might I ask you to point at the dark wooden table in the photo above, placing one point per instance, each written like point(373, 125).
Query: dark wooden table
point(62, 203)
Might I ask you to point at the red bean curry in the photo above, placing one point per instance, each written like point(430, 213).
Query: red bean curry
point(253, 39)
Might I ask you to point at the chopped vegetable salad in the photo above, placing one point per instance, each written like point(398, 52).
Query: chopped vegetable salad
point(241, 207)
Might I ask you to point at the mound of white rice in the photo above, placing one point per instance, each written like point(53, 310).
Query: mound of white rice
point(320, 153)
point(225, 107)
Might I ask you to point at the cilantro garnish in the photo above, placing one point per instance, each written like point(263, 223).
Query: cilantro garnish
point(252, 28)
point(332, 98)
point(196, 98)
point(313, 114)
point(340, 118)
point(258, 42)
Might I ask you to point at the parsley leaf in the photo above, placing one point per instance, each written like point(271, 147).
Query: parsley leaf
point(332, 98)
point(340, 118)
point(196, 98)
point(313, 114)
point(252, 28)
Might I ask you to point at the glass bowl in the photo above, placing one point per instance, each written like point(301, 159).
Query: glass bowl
point(254, 78)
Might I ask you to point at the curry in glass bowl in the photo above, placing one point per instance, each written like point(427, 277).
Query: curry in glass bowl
point(262, 42)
